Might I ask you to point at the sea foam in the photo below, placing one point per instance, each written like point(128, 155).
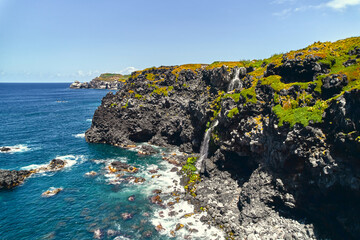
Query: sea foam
point(17, 148)
point(80, 135)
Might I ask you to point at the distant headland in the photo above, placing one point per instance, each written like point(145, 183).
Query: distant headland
point(110, 81)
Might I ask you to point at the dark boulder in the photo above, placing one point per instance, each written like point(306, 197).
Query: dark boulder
point(5, 149)
point(56, 164)
point(147, 150)
point(12, 178)
point(332, 85)
point(349, 62)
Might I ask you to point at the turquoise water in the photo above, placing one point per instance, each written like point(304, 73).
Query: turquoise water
point(47, 121)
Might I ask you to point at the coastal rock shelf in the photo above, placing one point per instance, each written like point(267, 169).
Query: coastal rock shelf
point(12, 178)
point(104, 81)
point(284, 145)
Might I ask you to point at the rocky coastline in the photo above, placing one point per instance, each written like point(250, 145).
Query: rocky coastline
point(283, 158)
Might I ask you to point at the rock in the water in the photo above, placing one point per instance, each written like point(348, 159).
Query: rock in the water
point(120, 166)
point(5, 149)
point(12, 178)
point(131, 198)
point(51, 192)
point(91, 173)
point(127, 216)
point(147, 150)
point(56, 164)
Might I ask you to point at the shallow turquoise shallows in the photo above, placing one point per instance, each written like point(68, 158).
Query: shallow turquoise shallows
point(47, 121)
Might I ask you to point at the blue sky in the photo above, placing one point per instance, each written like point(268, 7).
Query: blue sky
point(67, 40)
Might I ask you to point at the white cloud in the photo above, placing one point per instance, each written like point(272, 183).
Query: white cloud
point(283, 1)
point(127, 70)
point(81, 73)
point(341, 4)
point(283, 13)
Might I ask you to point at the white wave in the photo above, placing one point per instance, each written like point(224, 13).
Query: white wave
point(70, 160)
point(89, 120)
point(204, 231)
point(80, 135)
point(16, 148)
point(169, 182)
point(121, 238)
point(33, 166)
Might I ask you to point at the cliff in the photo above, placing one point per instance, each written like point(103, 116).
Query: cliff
point(283, 159)
point(104, 81)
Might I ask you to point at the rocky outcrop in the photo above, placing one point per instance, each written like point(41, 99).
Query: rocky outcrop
point(283, 160)
point(12, 178)
point(5, 149)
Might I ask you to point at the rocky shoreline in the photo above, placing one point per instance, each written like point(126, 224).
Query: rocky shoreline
point(283, 156)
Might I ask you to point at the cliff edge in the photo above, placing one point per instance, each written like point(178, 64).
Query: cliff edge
point(284, 137)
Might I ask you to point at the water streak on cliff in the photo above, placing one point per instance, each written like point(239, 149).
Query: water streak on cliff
point(235, 80)
point(205, 146)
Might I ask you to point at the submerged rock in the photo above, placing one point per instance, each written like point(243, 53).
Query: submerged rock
point(127, 216)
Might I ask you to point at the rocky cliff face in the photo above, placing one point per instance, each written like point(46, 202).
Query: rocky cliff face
point(284, 157)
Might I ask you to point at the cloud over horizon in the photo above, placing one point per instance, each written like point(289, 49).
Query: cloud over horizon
point(337, 5)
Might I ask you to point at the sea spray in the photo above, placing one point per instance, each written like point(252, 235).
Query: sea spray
point(235, 80)
point(205, 146)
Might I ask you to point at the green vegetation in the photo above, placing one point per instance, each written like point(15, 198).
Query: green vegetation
point(111, 77)
point(189, 167)
point(126, 105)
point(138, 96)
point(192, 67)
point(189, 170)
point(235, 96)
point(233, 112)
point(150, 76)
point(277, 85)
point(162, 90)
point(300, 115)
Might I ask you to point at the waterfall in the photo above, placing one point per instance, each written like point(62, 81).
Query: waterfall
point(235, 80)
point(205, 146)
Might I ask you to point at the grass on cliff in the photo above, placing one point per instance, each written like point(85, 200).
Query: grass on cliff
point(302, 115)
point(298, 109)
point(110, 77)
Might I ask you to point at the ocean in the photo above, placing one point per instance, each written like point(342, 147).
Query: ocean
point(46, 121)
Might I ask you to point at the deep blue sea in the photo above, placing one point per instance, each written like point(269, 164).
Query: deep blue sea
point(47, 121)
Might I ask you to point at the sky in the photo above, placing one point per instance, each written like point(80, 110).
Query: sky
point(68, 40)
